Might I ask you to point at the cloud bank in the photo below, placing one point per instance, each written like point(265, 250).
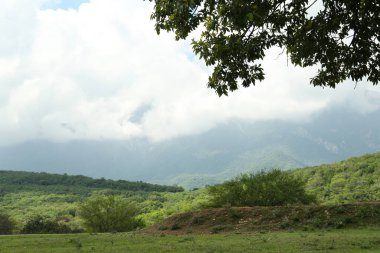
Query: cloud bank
point(101, 72)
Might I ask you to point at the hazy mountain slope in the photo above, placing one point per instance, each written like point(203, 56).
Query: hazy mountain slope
point(220, 153)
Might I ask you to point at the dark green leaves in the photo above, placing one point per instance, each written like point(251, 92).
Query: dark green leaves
point(342, 39)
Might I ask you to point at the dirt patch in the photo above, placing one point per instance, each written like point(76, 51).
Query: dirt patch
point(261, 219)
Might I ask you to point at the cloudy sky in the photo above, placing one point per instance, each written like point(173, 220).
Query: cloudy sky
point(96, 69)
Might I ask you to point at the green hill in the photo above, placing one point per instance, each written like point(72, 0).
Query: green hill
point(354, 180)
point(25, 194)
point(16, 181)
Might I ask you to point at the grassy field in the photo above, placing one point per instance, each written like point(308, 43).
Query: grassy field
point(347, 240)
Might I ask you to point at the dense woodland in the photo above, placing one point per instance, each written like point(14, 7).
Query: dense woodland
point(12, 181)
point(26, 197)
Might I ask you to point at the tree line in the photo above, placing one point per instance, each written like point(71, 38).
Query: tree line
point(19, 179)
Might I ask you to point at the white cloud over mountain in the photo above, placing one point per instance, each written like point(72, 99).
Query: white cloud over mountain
point(86, 73)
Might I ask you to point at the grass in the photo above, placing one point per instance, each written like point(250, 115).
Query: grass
point(344, 240)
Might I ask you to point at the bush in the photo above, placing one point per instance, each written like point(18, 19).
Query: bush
point(44, 225)
point(6, 225)
point(273, 188)
point(109, 214)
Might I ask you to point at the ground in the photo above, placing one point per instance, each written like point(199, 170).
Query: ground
point(340, 228)
point(337, 240)
point(259, 219)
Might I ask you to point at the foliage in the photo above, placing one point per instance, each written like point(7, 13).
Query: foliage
point(153, 206)
point(13, 180)
point(342, 39)
point(157, 206)
point(271, 188)
point(6, 224)
point(23, 205)
point(354, 180)
point(109, 214)
point(43, 225)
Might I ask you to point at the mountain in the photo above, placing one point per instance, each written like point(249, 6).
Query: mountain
point(225, 151)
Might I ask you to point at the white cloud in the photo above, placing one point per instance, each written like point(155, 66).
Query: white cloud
point(81, 74)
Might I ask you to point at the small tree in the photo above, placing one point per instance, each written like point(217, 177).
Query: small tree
point(6, 224)
point(109, 214)
point(271, 188)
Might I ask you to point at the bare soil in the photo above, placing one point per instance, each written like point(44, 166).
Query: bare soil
point(260, 219)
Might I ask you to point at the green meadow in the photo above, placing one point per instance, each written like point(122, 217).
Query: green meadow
point(348, 240)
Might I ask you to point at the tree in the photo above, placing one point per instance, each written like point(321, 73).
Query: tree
point(342, 39)
point(273, 188)
point(6, 224)
point(109, 214)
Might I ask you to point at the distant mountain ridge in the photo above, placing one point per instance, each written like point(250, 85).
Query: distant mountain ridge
point(216, 155)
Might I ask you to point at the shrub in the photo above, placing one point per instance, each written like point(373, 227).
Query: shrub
point(272, 188)
point(109, 214)
point(6, 224)
point(44, 225)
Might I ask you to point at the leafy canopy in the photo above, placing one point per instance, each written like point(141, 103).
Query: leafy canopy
point(6, 224)
point(109, 214)
point(273, 188)
point(44, 225)
point(342, 39)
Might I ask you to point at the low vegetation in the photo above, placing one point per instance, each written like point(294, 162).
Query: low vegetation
point(272, 188)
point(46, 203)
point(44, 225)
point(6, 224)
point(64, 208)
point(109, 214)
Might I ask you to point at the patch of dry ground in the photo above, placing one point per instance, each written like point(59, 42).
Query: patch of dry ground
point(260, 219)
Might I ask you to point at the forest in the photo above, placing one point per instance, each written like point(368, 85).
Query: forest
point(26, 195)
point(13, 181)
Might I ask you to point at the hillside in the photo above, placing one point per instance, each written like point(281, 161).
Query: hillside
point(24, 194)
point(353, 180)
point(15, 181)
point(339, 188)
point(261, 219)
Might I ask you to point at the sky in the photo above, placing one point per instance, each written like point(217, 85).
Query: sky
point(62, 4)
point(96, 70)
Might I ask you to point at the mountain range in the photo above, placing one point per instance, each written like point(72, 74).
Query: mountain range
point(330, 135)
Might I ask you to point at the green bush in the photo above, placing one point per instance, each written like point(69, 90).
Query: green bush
point(44, 225)
point(6, 225)
point(272, 188)
point(109, 214)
